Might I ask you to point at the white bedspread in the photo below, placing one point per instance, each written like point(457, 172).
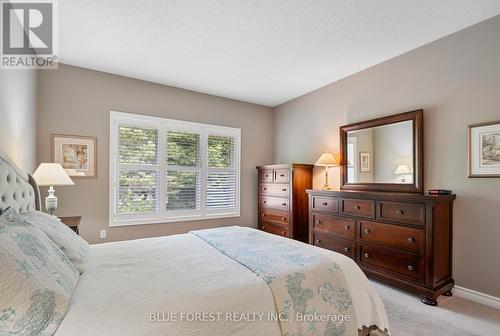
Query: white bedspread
point(128, 284)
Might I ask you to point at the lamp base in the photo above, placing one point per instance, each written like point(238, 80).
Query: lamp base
point(51, 202)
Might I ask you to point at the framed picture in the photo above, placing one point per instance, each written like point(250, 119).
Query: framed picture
point(365, 164)
point(76, 154)
point(484, 150)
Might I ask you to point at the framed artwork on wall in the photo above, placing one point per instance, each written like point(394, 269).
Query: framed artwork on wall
point(365, 164)
point(76, 154)
point(484, 150)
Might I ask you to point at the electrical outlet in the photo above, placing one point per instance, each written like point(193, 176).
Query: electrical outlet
point(103, 234)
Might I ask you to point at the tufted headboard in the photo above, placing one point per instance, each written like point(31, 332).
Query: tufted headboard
point(18, 189)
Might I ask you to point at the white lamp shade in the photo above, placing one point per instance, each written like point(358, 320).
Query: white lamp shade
point(402, 169)
point(51, 174)
point(327, 159)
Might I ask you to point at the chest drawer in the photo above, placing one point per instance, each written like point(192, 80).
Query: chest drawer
point(400, 264)
point(281, 175)
point(394, 236)
point(275, 216)
point(282, 204)
point(330, 204)
point(410, 213)
point(265, 175)
point(358, 207)
point(275, 189)
point(334, 224)
point(274, 228)
point(339, 245)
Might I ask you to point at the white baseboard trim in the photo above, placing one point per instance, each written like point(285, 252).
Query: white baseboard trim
point(472, 295)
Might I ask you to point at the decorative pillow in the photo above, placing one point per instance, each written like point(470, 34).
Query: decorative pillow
point(37, 279)
point(68, 241)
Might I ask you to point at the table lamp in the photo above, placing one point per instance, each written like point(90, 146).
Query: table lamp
point(51, 174)
point(402, 170)
point(327, 160)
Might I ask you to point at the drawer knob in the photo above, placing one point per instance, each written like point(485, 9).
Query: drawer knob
point(318, 221)
point(346, 249)
point(347, 227)
point(357, 207)
point(263, 227)
point(283, 204)
point(367, 255)
point(282, 175)
point(284, 189)
point(400, 212)
point(267, 175)
point(325, 203)
point(265, 202)
point(410, 268)
point(411, 240)
point(318, 241)
point(263, 215)
point(284, 233)
point(283, 218)
point(367, 231)
point(265, 188)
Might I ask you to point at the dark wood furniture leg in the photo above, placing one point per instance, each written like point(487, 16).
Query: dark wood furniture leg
point(448, 293)
point(429, 301)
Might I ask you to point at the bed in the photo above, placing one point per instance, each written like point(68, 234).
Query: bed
point(225, 281)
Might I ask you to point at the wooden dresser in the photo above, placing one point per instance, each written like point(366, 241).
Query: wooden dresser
point(402, 239)
point(283, 204)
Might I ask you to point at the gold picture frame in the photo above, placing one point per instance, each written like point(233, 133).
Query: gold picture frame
point(77, 154)
point(484, 150)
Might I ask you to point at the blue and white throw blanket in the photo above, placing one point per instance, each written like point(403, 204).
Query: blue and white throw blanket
point(316, 291)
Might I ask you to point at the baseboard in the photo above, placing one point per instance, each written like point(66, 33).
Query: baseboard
point(472, 295)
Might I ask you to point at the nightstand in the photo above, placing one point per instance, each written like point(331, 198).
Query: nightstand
point(73, 222)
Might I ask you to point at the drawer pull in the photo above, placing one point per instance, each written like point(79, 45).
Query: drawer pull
point(267, 175)
point(284, 233)
point(325, 203)
point(263, 215)
point(347, 227)
point(318, 241)
point(318, 222)
point(367, 255)
point(346, 249)
point(282, 175)
point(283, 218)
point(263, 227)
point(265, 188)
point(283, 204)
point(411, 240)
point(357, 207)
point(400, 212)
point(367, 231)
point(410, 268)
point(284, 189)
point(264, 202)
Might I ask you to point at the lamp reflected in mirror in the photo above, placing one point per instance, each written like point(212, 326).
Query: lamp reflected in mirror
point(404, 171)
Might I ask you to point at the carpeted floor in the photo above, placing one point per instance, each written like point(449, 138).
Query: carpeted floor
point(454, 316)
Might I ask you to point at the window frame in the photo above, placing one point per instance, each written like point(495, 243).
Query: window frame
point(164, 125)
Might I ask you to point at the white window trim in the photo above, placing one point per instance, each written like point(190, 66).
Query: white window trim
point(164, 216)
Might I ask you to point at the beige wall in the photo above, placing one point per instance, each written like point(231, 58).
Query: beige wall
point(456, 80)
point(77, 101)
point(18, 127)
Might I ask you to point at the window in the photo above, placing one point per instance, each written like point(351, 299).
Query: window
point(352, 160)
point(164, 170)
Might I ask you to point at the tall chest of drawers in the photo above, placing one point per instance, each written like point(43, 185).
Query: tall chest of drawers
point(283, 203)
point(402, 239)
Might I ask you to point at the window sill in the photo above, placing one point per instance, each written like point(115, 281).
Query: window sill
point(165, 220)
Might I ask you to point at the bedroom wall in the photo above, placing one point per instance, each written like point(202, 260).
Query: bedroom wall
point(77, 101)
point(18, 126)
point(456, 80)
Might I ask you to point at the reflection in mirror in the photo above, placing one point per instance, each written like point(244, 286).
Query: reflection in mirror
point(382, 154)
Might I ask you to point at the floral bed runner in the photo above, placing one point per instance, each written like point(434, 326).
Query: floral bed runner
point(309, 287)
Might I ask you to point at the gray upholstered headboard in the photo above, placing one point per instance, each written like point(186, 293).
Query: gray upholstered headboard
point(18, 189)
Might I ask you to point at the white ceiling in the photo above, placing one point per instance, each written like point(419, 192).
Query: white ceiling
point(261, 51)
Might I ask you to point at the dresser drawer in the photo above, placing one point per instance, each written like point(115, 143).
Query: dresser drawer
point(339, 245)
point(330, 204)
point(358, 207)
point(265, 175)
point(334, 224)
point(400, 264)
point(390, 235)
point(277, 203)
point(275, 216)
point(281, 175)
point(274, 228)
point(275, 189)
point(410, 213)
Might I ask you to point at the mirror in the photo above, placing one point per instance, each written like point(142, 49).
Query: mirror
point(383, 154)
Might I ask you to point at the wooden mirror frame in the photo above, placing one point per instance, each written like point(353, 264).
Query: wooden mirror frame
point(417, 117)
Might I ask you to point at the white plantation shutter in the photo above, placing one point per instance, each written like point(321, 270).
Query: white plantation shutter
point(221, 172)
point(164, 170)
point(138, 170)
point(183, 170)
